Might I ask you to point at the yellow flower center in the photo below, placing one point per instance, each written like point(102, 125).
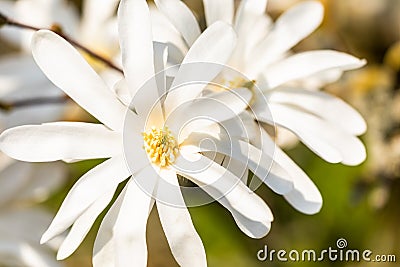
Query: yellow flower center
point(160, 146)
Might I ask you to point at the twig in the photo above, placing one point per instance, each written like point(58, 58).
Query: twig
point(56, 28)
point(8, 106)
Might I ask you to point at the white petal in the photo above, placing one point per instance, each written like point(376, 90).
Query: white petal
point(160, 62)
point(134, 27)
point(326, 140)
point(305, 196)
point(250, 211)
point(121, 89)
point(85, 192)
point(147, 100)
point(121, 239)
point(218, 10)
point(96, 14)
point(212, 108)
point(19, 253)
point(182, 18)
point(247, 13)
point(290, 28)
point(182, 237)
point(164, 31)
point(66, 68)
point(260, 163)
point(13, 179)
point(82, 225)
point(17, 72)
point(44, 179)
point(236, 167)
point(308, 63)
point(251, 31)
point(318, 80)
point(330, 108)
point(210, 52)
point(57, 141)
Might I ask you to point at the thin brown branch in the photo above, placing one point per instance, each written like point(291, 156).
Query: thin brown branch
point(7, 21)
point(9, 106)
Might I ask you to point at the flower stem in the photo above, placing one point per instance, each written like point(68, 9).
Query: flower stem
point(55, 28)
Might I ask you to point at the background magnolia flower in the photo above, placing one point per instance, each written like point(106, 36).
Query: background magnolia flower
point(155, 140)
point(95, 29)
point(23, 185)
point(262, 54)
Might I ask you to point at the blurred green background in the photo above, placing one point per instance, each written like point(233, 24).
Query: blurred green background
point(360, 203)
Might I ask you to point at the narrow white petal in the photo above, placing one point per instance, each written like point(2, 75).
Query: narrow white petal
point(202, 63)
point(26, 223)
point(19, 253)
point(185, 243)
point(260, 163)
point(247, 13)
point(330, 108)
point(67, 69)
point(308, 63)
point(251, 31)
point(250, 211)
point(332, 144)
point(219, 10)
point(17, 72)
point(57, 141)
point(182, 18)
point(290, 28)
point(121, 239)
point(85, 192)
point(212, 108)
point(96, 13)
point(305, 196)
point(82, 225)
point(13, 178)
point(164, 31)
point(160, 62)
point(44, 180)
point(134, 27)
point(236, 167)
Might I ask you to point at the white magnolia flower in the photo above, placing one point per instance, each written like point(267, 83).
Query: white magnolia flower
point(326, 124)
point(21, 223)
point(154, 140)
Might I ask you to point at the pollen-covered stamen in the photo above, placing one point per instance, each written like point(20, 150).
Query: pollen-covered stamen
point(161, 146)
